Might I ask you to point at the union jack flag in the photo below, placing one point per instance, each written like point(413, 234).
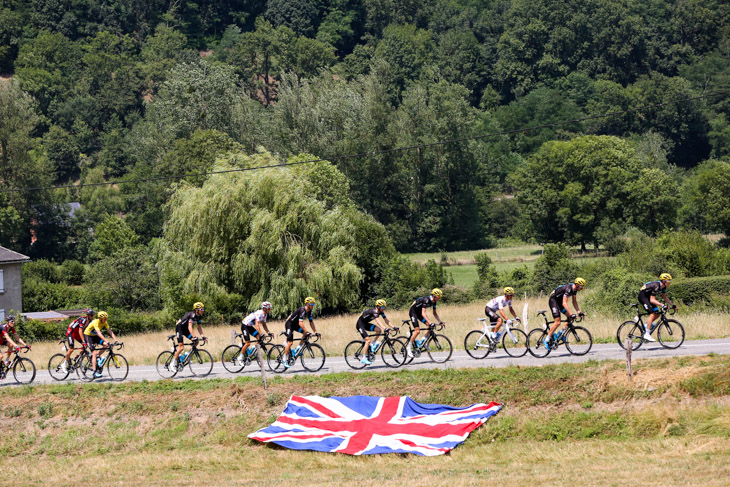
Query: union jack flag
point(362, 425)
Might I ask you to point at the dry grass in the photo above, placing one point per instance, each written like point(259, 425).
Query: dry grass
point(338, 331)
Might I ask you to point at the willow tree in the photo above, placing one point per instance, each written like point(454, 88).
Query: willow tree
point(265, 235)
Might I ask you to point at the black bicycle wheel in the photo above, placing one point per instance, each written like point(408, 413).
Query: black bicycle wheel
point(201, 362)
point(514, 343)
point(230, 358)
point(354, 354)
point(630, 329)
point(24, 370)
point(85, 370)
point(476, 344)
point(117, 367)
point(55, 366)
point(275, 359)
point(670, 334)
point(393, 352)
point(163, 364)
point(578, 340)
point(313, 357)
point(535, 343)
point(439, 348)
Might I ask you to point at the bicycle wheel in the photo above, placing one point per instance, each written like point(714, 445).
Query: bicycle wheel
point(515, 343)
point(354, 354)
point(393, 352)
point(313, 357)
point(439, 348)
point(55, 367)
point(24, 370)
point(670, 334)
point(163, 365)
point(630, 329)
point(535, 343)
point(230, 356)
point(275, 359)
point(117, 367)
point(85, 370)
point(201, 362)
point(476, 344)
point(578, 340)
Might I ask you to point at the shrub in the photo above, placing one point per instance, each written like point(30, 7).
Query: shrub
point(712, 290)
point(403, 280)
point(618, 289)
point(692, 253)
point(553, 268)
point(42, 270)
point(72, 272)
point(41, 295)
point(486, 271)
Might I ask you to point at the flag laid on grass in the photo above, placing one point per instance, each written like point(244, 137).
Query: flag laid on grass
point(361, 425)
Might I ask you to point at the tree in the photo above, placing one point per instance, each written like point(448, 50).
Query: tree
point(110, 237)
point(261, 235)
point(572, 191)
point(706, 197)
point(124, 279)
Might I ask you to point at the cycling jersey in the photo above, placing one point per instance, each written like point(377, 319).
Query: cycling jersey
point(498, 303)
point(77, 324)
point(564, 290)
point(420, 304)
point(95, 326)
point(652, 289)
point(299, 315)
point(5, 331)
point(190, 316)
point(252, 318)
point(370, 314)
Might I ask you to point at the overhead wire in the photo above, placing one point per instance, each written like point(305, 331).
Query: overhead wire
point(376, 152)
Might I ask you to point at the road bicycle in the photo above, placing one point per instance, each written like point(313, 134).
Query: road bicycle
point(479, 343)
point(23, 368)
point(56, 363)
point(392, 350)
point(199, 360)
point(577, 339)
point(234, 361)
point(309, 353)
point(437, 346)
point(669, 332)
point(114, 363)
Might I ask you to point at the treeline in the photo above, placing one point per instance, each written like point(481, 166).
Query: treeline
point(124, 90)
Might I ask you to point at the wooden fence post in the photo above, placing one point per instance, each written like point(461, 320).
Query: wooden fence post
point(261, 364)
point(628, 346)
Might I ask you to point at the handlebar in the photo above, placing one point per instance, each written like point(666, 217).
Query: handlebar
point(437, 326)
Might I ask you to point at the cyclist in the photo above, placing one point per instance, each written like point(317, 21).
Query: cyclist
point(418, 313)
point(5, 330)
point(647, 297)
point(495, 311)
point(93, 336)
point(251, 326)
point(184, 329)
point(75, 333)
point(558, 303)
point(295, 322)
point(364, 325)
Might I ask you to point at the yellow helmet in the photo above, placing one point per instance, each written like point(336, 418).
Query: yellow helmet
point(198, 305)
point(579, 281)
point(436, 292)
point(309, 300)
point(380, 302)
point(102, 315)
point(665, 277)
point(509, 290)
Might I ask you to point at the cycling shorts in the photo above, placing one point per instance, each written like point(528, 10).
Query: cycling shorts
point(249, 331)
point(76, 335)
point(182, 331)
point(647, 304)
point(492, 315)
point(290, 328)
point(364, 327)
point(556, 307)
point(93, 341)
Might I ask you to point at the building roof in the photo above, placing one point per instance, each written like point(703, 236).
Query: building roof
point(45, 316)
point(7, 256)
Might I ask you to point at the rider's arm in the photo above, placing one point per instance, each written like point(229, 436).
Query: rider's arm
point(504, 315)
point(667, 300)
point(436, 315)
point(575, 304)
point(113, 335)
point(200, 329)
point(314, 329)
point(10, 341)
point(512, 310)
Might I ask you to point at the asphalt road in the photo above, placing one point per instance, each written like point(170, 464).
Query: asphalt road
point(459, 359)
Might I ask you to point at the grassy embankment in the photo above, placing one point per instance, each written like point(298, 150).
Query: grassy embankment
point(564, 424)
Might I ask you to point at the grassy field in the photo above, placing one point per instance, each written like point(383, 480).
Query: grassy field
point(561, 424)
point(338, 331)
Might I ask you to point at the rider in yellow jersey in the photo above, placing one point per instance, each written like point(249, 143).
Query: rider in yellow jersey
point(94, 338)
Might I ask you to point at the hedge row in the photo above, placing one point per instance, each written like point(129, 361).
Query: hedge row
point(699, 289)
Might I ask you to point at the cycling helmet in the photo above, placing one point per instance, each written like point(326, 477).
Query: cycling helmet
point(10, 318)
point(309, 300)
point(380, 302)
point(265, 305)
point(579, 281)
point(509, 291)
point(103, 315)
point(198, 305)
point(89, 312)
point(665, 277)
point(436, 292)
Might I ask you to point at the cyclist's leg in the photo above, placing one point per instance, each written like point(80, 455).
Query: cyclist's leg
point(362, 329)
point(375, 329)
point(555, 308)
point(415, 321)
point(289, 338)
point(180, 333)
point(246, 339)
point(70, 346)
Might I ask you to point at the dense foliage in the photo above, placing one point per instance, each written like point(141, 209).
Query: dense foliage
point(147, 92)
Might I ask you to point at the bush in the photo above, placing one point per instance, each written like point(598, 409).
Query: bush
point(619, 288)
point(712, 290)
point(486, 271)
point(553, 268)
point(42, 270)
point(402, 280)
point(39, 295)
point(72, 272)
point(692, 253)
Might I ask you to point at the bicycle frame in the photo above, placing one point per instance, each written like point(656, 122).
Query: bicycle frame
point(662, 318)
